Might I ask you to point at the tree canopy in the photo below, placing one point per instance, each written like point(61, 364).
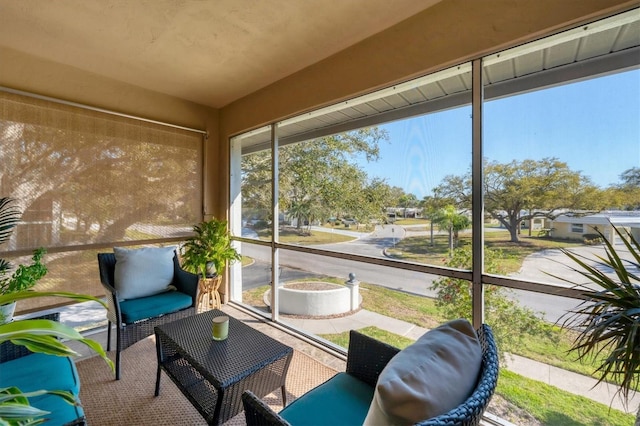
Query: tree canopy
point(626, 195)
point(320, 178)
point(523, 190)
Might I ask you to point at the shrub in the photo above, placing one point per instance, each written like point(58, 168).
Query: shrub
point(509, 321)
point(261, 224)
point(592, 239)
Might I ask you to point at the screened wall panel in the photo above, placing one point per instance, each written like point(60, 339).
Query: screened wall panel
point(83, 177)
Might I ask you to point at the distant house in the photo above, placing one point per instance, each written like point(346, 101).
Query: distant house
point(536, 224)
point(575, 227)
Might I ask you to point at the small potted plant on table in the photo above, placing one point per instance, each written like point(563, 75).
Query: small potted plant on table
point(206, 254)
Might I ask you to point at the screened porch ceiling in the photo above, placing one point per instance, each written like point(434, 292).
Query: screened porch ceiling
point(208, 52)
point(601, 48)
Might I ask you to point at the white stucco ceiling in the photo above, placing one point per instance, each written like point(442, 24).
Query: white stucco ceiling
point(207, 51)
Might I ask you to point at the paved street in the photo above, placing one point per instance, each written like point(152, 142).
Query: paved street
point(366, 244)
point(537, 267)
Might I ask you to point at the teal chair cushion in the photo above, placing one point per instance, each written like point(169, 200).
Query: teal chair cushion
point(133, 310)
point(31, 371)
point(61, 411)
point(45, 372)
point(348, 397)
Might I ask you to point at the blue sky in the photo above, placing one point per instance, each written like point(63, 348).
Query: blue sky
point(593, 126)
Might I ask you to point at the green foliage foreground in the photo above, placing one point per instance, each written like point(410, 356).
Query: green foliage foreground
point(40, 336)
point(608, 323)
point(510, 322)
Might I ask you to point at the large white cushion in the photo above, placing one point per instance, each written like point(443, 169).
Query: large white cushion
point(143, 272)
point(435, 374)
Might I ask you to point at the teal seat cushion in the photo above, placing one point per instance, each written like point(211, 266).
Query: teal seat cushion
point(61, 411)
point(152, 306)
point(31, 371)
point(342, 400)
point(45, 372)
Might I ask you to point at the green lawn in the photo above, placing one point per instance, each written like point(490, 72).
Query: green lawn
point(547, 404)
point(360, 227)
point(516, 389)
point(422, 311)
point(304, 237)
point(411, 221)
point(418, 310)
point(342, 339)
point(419, 249)
point(553, 406)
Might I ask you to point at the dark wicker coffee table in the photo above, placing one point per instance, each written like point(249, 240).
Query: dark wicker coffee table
point(213, 374)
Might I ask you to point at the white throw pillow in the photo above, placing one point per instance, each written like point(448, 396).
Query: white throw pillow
point(143, 272)
point(435, 374)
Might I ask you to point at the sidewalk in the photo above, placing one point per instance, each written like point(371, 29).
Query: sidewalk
point(568, 381)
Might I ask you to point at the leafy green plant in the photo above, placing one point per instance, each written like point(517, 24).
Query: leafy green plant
point(211, 243)
point(608, 321)
point(591, 239)
point(510, 322)
point(15, 408)
point(25, 276)
point(37, 335)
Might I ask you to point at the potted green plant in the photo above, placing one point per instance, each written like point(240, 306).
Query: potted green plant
point(608, 321)
point(38, 335)
point(209, 249)
point(23, 277)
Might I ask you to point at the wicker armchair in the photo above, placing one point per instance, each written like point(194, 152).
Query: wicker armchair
point(128, 333)
point(367, 358)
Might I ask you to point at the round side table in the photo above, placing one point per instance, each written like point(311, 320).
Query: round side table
point(208, 290)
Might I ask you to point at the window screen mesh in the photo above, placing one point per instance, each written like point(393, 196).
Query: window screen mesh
point(83, 177)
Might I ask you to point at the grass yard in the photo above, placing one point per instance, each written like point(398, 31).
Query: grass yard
point(553, 406)
point(419, 249)
point(342, 339)
point(418, 310)
point(304, 237)
point(411, 221)
point(253, 297)
point(422, 311)
point(358, 227)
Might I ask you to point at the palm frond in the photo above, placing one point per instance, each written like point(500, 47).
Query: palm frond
point(15, 408)
point(40, 335)
point(9, 217)
point(608, 321)
point(30, 294)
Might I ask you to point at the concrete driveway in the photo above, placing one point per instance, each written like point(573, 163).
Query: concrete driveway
point(546, 265)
